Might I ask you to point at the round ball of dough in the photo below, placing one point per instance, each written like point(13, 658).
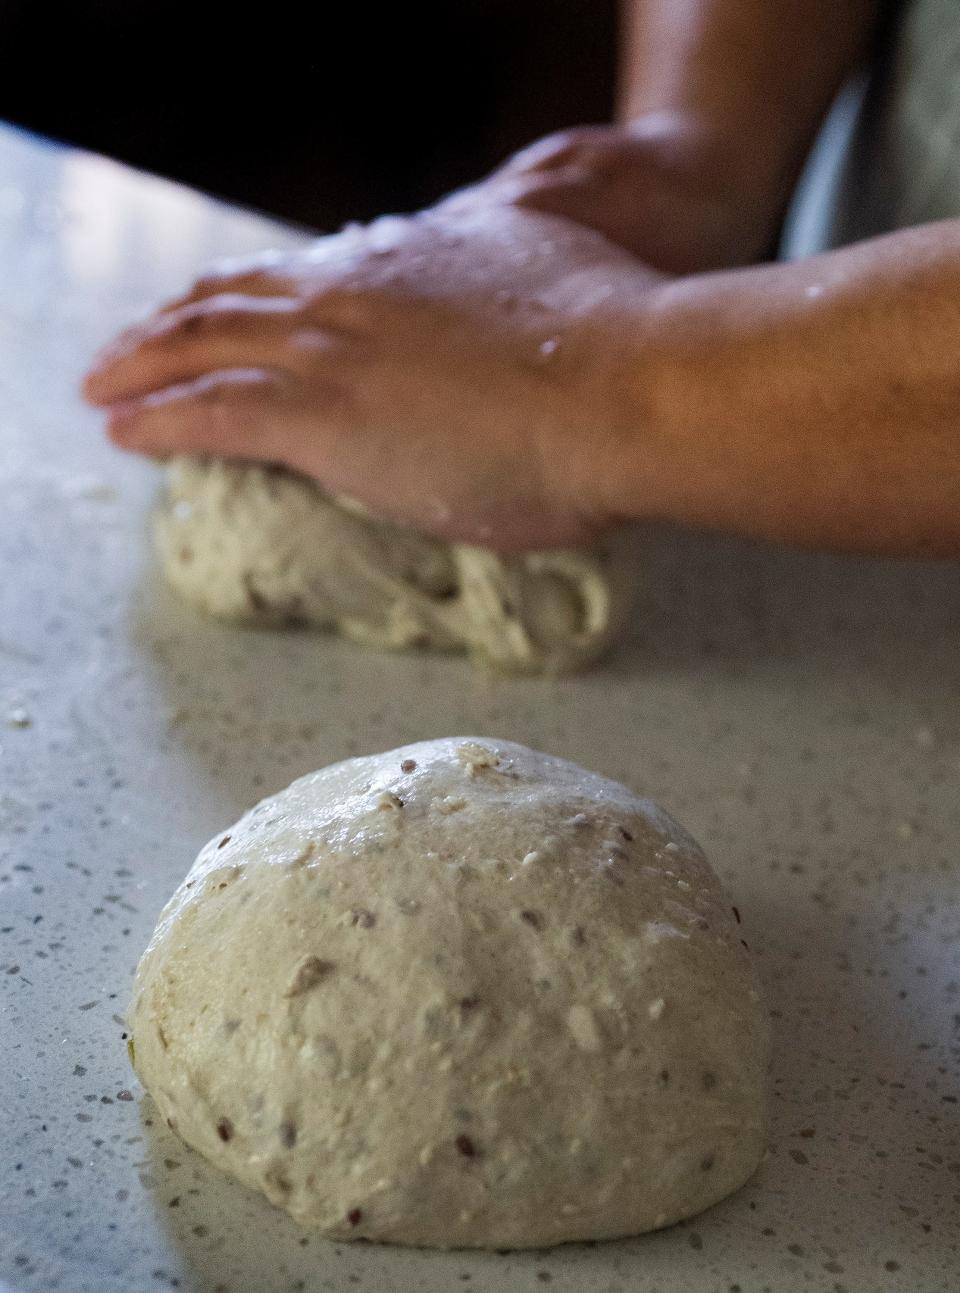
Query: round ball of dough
point(261, 544)
point(458, 994)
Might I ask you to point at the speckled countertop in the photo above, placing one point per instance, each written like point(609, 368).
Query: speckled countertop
point(798, 713)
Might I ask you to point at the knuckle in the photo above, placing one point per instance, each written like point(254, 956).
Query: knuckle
point(345, 303)
point(211, 396)
point(193, 322)
point(229, 396)
point(209, 281)
point(575, 137)
point(561, 141)
point(569, 144)
point(217, 276)
point(552, 198)
point(204, 318)
point(215, 394)
point(221, 412)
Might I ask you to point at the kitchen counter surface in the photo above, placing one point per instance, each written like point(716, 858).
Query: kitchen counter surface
point(799, 713)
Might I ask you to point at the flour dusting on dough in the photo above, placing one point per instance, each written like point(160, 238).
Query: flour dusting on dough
point(454, 1028)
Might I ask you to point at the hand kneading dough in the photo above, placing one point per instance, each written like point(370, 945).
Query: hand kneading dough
point(263, 544)
point(459, 994)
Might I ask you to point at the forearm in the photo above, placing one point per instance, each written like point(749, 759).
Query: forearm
point(749, 79)
point(815, 403)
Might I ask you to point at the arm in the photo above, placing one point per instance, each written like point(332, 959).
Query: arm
point(750, 80)
point(719, 103)
point(815, 403)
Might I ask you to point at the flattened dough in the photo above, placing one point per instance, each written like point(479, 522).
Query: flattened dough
point(459, 994)
point(262, 544)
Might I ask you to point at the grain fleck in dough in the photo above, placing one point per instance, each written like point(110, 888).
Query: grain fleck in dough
point(525, 1021)
point(262, 544)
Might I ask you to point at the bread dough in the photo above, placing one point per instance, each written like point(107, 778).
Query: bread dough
point(458, 994)
point(263, 544)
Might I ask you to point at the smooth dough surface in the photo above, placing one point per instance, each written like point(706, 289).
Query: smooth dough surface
point(458, 994)
point(263, 544)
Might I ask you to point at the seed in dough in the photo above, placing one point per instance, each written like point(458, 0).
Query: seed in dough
point(415, 1032)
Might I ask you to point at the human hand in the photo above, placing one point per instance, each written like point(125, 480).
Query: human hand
point(664, 187)
point(463, 372)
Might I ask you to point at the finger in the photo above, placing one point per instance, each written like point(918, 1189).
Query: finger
point(260, 275)
point(537, 190)
point(559, 194)
point(222, 332)
point(272, 273)
point(554, 150)
point(240, 413)
point(498, 190)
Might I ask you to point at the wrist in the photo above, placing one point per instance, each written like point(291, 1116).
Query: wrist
point(623, 450)
point(681, 413)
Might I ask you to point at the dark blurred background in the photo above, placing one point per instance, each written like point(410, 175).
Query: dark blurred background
point(319, 113)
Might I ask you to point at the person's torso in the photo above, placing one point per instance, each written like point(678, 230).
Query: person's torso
point(890, 154)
